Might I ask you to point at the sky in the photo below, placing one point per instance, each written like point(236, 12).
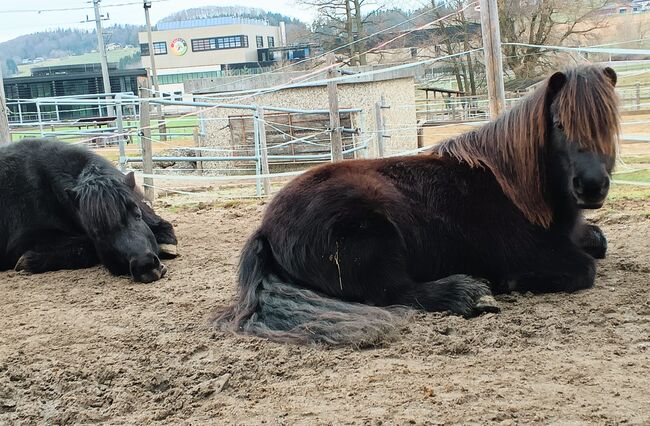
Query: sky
point(20, 17)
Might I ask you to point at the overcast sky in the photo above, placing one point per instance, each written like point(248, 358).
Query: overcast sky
point(13, 22)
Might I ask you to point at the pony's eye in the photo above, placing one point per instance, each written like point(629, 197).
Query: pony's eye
point(559, 125)
point(137, 213)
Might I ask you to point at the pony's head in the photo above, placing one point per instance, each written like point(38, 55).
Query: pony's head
point(570, 122)
point(583, 131)
point(110, 215)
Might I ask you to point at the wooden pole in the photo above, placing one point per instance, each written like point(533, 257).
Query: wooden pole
point(266, 182)
point(493, 61)
point(152, 59)
point(380, 126)
point(5, 136)
point(335, 120)
point(199, 154)
point(120, 130)
point(145, 137)
point(637, 89)
point(101, 48)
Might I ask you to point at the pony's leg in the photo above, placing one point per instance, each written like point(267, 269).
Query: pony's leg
point(591, 239)
point(459, 294)
point(163, 231)
point(372, 268)
point(561, 267)
point(75, 252)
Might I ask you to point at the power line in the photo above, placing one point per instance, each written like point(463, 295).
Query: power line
point(72, 9)
point(324, 54)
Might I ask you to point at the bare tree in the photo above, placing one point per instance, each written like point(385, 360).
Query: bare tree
point(544, 22)
point(342, 22)
point(455, 37)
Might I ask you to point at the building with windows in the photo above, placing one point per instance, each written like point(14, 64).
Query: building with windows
point(65, 80)
point(209, 48)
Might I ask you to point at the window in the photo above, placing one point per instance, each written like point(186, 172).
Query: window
point(202, 44)
point(159, 48)
point(260, 41)
point(216, 43)
point(271, 41)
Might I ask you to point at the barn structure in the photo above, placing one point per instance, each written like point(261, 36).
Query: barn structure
point(358, 95)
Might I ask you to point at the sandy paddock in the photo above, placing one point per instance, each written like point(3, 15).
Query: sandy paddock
point(86, 347)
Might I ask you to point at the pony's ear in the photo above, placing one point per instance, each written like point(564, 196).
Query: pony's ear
point(611, 74)
point(129, 180)
point(556, 81)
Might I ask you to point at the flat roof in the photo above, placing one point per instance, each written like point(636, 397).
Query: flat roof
point(75, 76)
point(440, 90)
point(209, 22)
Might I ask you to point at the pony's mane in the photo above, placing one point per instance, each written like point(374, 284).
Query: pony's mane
point(512, 147)
point(103, 198)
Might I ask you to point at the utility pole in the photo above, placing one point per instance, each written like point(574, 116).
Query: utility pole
point(5, 136)
point(102, 52)
point(493, 61)
point(152, 57)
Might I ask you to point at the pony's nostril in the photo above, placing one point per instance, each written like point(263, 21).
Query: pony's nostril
point(163, 270)
point(577, 186)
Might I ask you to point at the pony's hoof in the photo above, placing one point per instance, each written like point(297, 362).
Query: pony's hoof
point(24, 263)
point(487, 304)
point(168, 251)
point(470, 296)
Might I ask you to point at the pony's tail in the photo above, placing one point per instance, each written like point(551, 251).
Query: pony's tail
point(267, 307)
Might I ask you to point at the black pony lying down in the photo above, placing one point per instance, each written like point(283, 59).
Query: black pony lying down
point(493, 210)
point(64, 207)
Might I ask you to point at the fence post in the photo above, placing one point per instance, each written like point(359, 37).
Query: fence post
point(493, 58)
point(264, 157)
point(20, 112)
point(5, 133)
point(145, 137)
point(420, 132)
point(120, 131)
point(199, 154)
point(39, 115)
point(335, 119)
point(362, 128)
point(637, 87)
point(258, 157)
point(380, 125)
point(162, 128)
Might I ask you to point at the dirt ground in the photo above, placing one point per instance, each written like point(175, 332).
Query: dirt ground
point(86, 347)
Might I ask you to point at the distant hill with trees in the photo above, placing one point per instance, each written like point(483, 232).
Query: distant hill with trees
point(62, 43)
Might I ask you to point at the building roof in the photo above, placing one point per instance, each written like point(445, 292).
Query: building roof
point(209, 22)
point(70, 69)
point(440, 90)
point(137, 72)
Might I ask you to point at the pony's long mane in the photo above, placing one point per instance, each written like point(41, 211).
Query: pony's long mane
point(513, 146)
point(103, 199)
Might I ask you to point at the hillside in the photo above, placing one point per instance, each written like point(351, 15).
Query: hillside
point(240, 11)
point(64, 42)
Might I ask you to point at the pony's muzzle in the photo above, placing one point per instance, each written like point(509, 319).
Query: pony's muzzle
point(147, 268)
point(590, 193)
